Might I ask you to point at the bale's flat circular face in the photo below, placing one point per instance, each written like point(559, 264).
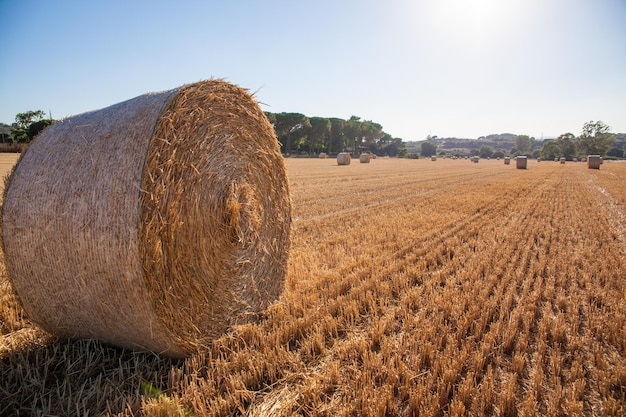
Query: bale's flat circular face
point(216, 212)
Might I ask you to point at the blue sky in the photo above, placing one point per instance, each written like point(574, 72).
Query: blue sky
point(463, 68)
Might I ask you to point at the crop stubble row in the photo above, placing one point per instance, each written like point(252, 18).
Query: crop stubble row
point(444, 290)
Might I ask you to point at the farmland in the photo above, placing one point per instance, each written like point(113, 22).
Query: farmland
point(414, 288)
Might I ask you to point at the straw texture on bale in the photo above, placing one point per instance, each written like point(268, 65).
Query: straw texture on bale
point(594, 161)
point(154, 224)
point(521, 162)
point(343, 158)
point(365, 158)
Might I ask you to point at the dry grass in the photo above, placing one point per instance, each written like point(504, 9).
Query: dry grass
point(413, 289)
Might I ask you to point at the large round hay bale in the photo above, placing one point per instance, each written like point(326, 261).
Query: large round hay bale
point(343, 158)
point(154, 224)
point(594, 161)
point(364, 158)
point(507, 160)
point(521, 162)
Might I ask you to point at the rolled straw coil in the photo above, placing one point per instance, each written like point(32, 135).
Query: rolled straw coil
point(155, 224)
point(343, 158)
point(365, 158)
point(594, 161)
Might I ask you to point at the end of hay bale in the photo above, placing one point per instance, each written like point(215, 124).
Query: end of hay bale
point(594, 161)
point(343, 158)
point(154, 224)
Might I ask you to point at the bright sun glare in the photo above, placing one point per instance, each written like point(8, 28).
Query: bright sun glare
point(474, 22)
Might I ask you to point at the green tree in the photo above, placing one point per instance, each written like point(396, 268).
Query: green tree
point(567, 146)
point(394, 147)
point(336, 136)
point(289, 128)
point(428, 149)
point(486, 151)
point(352, 133)
point(596, 139)
point(550, 149)
point(28, 125)
point(371, 133)
point(317, 132)
point(523, 144)
point(615, 152)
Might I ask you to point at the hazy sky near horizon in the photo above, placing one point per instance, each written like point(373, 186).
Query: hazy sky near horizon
point(463, 68)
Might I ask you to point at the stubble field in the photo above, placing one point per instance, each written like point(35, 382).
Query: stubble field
point(414, 288)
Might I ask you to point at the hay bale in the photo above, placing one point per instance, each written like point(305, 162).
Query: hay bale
point(364, 158)
point(507, 160)
point(594, 161)
point(521, 162)
point(343, 158)
point(562, 160)
point(322, 155)
point(154, 224)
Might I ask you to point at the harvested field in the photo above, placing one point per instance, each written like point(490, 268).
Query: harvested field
point(413, 289)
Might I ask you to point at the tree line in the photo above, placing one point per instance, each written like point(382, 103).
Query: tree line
point(299, 134)
point(595, 139)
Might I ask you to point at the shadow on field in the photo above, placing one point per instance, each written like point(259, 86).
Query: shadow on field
point(66, 377)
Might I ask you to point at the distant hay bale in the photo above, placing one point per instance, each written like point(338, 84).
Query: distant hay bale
point(594, 161)
point(475, 159)
point(322, 155)
point(373, 156)
point(521, 162)
point(507, 160)
point(364, 158)
point(343, 158)
point(562, 160)
point(154, 224)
